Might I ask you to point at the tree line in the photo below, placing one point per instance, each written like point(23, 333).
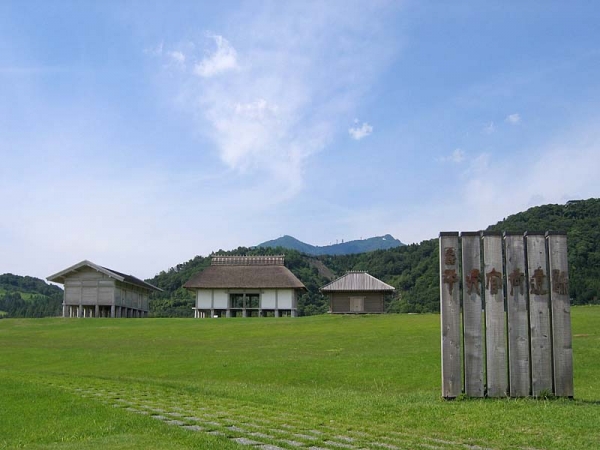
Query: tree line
point(411, 269)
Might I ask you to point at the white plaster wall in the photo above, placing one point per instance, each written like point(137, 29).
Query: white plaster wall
point(221, 299)
point(285, 298)
point(267, 299)
point(204, 299)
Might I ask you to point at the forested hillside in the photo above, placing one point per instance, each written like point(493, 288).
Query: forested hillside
point(411, 269)
point(581, 220)
point(28, 297)
point(176, 301)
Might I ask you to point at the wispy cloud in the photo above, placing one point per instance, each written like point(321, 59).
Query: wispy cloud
point(223, 59)
point(513, 119)
point(489, 128)
point(283, 90)
point(177, 57)
point(457, 157)
point(361, 132)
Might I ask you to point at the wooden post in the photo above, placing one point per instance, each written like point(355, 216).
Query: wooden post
point(561, 314)
point(450, 315)
point(472, 314)
point(518, 321)
point(539, 314)
point(495, 319)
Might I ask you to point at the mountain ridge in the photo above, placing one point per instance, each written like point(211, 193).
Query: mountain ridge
point(374, 243)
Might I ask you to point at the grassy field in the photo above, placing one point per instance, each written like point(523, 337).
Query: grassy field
point(317, 382)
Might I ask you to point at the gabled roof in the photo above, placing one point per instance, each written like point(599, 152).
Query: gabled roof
point(60, 276)
point(245, 272)
point(357, 281)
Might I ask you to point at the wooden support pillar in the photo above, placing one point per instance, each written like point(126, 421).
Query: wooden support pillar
point(561, 314)
point(495, 317)
point(472, 314)
point(97, 311)
point(65, 310)
point(539, 314)
point(450, 315)
point(518, 319)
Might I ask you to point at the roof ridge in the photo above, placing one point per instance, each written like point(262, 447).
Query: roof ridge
point(245, 260)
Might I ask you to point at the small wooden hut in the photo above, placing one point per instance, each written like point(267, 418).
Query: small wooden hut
point(245, 286)
point(95, 291)
point(357, 293)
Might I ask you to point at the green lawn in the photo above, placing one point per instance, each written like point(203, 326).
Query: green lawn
point(326, 381)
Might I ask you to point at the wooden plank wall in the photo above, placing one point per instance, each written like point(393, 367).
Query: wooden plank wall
point(450, 315)
point(495, 318)
point(561, 315)
point(518, 317)
point(472, 314)
point(523, 285)
point(539, 314)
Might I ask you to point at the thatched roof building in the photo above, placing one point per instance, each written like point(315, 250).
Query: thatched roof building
point(245, 286)
point(245, 272)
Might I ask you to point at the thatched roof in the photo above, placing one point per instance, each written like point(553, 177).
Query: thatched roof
point(357, 281)
point(245, 272)
point(130, 279)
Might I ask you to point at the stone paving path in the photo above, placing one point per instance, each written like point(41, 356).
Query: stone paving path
point(253, 426)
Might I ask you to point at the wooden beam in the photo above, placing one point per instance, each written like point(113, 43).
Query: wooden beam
point(518, 317)
point(539, 314)
point(450, 315)
point(495, 318)
point(561, 315)
point(472, 314)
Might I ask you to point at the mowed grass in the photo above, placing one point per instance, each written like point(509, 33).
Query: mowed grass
point(372, 380)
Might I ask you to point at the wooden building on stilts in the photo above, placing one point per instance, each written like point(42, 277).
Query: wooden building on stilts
point(95, 291)
point(357, 293)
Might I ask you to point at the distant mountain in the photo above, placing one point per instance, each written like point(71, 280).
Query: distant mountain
point(345, 248)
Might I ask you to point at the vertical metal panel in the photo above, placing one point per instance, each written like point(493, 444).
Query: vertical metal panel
point(497, 371)
point(539, 314)
point(472, 314)
point(517, 311)
point(561, 315)
point(450, 315)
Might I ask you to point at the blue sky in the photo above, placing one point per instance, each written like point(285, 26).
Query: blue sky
point(140, 134)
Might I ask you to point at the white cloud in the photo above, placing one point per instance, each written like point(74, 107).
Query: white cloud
point(513, 119)
point(177, 56)
point(489, 128)
point(258, 109)
point(222, 60)
point(457, 156)
point(290, 83)
point(361, 132)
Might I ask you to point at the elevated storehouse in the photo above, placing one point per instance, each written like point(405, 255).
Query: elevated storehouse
point(95, 291)
point(245, 286)
point(357, 292)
